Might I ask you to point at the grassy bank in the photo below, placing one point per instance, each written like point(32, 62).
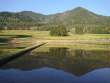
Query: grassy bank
point(44, 36)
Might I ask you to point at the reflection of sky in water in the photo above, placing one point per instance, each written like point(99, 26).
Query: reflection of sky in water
point(49, 75)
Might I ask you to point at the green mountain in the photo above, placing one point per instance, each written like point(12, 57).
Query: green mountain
point(80, 20)
point(78, 16)
point(74, 20)
point(36, 17)
point(20, 19)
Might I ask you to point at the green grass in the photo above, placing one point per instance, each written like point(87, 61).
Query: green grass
point(83, 36)
point(24, 32)
point(7, 52)
point(31, 35)
point(45, 34)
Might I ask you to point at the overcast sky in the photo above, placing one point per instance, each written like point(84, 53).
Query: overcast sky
point(55, 6)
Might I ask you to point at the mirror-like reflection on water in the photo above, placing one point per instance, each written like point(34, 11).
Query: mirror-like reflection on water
point(50, 75)
point(59, 65)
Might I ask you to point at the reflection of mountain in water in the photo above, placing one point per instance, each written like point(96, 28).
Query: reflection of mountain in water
point(77, 62)
point(50, 75)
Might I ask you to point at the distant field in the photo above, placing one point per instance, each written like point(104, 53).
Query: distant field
point(24, 32)
point(43, 36)
point(46, 34)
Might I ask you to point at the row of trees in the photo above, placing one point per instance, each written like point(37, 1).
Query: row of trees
point(94, 29)
point(58, 29)
point(61, 30)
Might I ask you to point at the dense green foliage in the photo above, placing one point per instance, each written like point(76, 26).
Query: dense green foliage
point(59, 30)
point(21, 20)
point(77, 21)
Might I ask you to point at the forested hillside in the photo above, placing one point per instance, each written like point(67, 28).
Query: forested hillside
point(78, 20)
point(20, 20)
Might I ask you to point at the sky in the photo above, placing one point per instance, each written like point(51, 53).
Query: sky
point(101, 7)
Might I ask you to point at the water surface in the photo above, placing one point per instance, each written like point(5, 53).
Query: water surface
point(58, 65)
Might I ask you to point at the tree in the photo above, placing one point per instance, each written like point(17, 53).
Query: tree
point(58, 30)
point(79, 30)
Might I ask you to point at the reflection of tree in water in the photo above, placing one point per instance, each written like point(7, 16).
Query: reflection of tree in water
point(74, 61)
point(78, 62)
point(58, 56)
point(86, 61)
point(58, 52)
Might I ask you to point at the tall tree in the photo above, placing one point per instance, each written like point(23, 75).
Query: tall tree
point(58, 30)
